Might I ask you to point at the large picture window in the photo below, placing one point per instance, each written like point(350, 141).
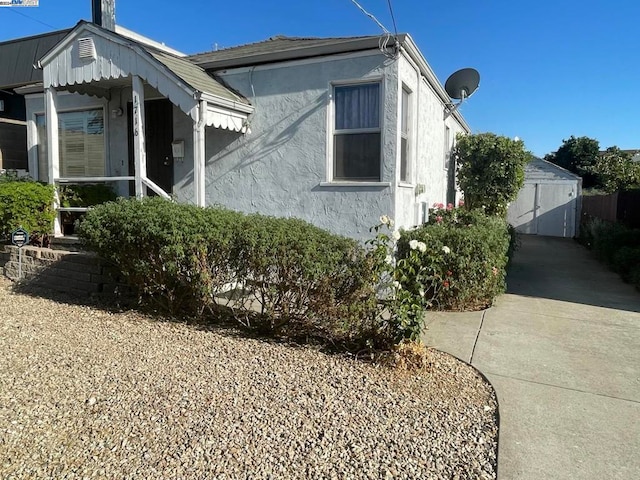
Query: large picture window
point(81, 144)
point(356, 136)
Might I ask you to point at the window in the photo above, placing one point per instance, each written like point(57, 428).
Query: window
point(81, 144)
point(405, 115)
point(447, 147)
point(356, 136)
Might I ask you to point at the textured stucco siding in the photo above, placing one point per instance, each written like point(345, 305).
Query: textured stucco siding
point(428, 177)
point(278, 169)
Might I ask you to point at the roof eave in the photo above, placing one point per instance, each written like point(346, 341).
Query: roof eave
point(353, 45)
point(414, 53)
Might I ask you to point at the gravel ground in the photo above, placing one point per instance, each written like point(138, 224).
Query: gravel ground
point(86, 393)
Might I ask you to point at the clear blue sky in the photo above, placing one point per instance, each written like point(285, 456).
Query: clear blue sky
point(549, 69)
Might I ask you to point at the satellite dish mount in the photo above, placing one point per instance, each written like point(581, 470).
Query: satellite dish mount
point(460, 86)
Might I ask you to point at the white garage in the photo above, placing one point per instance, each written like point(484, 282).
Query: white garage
point(548, 203)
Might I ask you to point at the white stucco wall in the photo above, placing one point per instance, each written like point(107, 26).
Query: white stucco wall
point(428, 178)
point(280, 168)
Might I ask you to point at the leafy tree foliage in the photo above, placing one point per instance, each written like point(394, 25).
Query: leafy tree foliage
point(578, 155)
point(609, 171)
point(490, 170)
point(614, 171)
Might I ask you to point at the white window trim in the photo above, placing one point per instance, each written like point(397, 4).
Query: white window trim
point(330, 181)
point(448, 148)
point(410, 180)
point(33, 136)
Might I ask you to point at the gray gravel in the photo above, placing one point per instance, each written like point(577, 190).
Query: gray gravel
point(85, 393)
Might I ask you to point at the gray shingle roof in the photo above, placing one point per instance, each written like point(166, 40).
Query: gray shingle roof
point(195, 76)
point(281, 48)
point(18, 56)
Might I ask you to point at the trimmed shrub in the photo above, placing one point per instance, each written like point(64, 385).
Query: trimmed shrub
point(28, 204)
point(614, 244)
point(272, 273)
point(467, 253)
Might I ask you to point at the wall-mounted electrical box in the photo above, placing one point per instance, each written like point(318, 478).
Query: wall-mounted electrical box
point(177, 147)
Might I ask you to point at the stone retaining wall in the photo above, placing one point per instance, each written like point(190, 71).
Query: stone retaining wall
point(78, 273)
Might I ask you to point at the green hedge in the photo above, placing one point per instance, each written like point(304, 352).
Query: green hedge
point(28, 204)
point(468, 253)
point(616, 245)
point(271, 272)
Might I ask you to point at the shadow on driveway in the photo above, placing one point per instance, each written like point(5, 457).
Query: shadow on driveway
point(562, 269)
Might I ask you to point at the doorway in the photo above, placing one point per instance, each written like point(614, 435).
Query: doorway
point(158, 135)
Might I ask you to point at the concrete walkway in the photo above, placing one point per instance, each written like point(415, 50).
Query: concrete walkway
point(562, 350)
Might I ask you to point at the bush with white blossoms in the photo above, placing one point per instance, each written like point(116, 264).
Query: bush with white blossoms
point(407, 285)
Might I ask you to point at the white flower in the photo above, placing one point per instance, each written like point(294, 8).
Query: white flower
point(421, 292)
point(422, 247)
point(446, 250)
point(396, 235)
point(384, 220)
point(396, 285)
point(413, 244)
point(389, 259)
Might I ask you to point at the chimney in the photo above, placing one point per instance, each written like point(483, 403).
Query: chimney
point(104, 13)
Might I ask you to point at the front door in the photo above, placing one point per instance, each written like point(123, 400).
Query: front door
point(158, 135)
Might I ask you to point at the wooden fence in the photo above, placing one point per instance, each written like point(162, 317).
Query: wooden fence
point(623, 207)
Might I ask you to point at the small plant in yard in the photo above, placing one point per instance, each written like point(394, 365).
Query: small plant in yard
point(406, 285)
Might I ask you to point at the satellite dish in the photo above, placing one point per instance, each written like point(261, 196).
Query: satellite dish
point(460, 86)
point(463, 83)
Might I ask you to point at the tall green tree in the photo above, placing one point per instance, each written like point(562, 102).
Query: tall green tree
point(490, 170)
point(578, 155)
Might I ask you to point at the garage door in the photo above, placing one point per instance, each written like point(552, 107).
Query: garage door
point(545, 209)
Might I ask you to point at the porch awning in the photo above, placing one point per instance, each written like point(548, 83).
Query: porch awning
point(92, 60)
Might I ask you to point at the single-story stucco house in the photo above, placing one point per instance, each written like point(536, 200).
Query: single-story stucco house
point(336, 131)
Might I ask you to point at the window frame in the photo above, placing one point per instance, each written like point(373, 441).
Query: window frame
point(87, 108)
point(332, 132)
point(406, 115)
point(448, 148)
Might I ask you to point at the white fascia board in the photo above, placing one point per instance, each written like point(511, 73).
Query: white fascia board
point(125, 32)
point(224, 102)
point(414, 53)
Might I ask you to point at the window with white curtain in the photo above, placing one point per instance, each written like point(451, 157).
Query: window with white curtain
point(356, 135)
point(81, 143)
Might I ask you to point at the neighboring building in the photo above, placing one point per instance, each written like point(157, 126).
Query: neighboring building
point(17, 59)
point(335, 131)
point(548, 203)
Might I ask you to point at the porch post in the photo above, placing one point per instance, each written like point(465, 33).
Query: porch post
point(51, 116)
point(139, 148)
point(199, 154)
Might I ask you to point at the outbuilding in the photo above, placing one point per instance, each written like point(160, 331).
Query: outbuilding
point(549, 201)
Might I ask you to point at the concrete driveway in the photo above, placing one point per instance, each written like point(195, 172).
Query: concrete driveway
point(562, 349)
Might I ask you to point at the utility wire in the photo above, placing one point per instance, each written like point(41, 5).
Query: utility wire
point(393, 18)
point(370, 16)
point(15, 10)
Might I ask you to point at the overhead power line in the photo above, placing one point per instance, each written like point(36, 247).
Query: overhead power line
point(18, 12)
point(393, 18)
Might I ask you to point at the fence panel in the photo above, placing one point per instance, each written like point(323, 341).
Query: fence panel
point(604, 207)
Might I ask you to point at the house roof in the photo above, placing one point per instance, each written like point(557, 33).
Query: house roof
point(196, 77)
point(539, 170)
point(281, 48)
point(19, 56)
point(189, 75)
